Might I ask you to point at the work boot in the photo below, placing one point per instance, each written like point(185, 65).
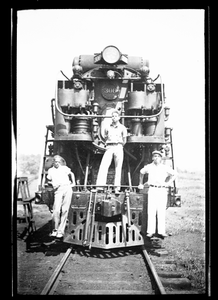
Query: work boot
point(117, 192)
point(149, 235)
point(54, 233)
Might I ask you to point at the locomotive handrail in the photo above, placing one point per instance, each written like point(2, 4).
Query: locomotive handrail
point(106, 185)
point(106, 116)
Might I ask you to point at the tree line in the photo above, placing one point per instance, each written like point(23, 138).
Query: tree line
point(28, 164)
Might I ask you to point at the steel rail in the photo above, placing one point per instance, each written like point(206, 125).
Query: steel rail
point(153, 271)
point(56, 273)
point(52, 283)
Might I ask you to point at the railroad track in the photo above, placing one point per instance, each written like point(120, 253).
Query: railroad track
point(118, 271)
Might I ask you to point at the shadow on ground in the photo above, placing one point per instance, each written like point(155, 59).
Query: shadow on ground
point(40, 241)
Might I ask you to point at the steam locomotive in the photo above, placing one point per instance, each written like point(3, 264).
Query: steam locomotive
point(80, 111)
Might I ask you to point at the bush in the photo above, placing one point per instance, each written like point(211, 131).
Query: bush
point(28, 164)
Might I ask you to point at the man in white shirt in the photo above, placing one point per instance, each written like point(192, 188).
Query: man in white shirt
point(62, 180)
point(115, 135)
point(158, 173)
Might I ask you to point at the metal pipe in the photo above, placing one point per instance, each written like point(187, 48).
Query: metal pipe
point(42, 163)
point(128, 212)
point(128, 153)
point(92, 221)
point(173, 162)
point(129, 174)
point(77, 156)
point(87, 170)
point(142, 159)
point(87, 223)
point(52, 111)
point(162, 96)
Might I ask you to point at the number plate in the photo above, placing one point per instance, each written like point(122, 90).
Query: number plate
point(110, 91)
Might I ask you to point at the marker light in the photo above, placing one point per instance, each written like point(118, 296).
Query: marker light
point(111, 54)
point(178, 201)
point(110, 74)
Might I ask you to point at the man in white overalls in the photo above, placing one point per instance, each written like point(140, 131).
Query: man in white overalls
point(157, 193)
point(62, 180)
point(115, 135)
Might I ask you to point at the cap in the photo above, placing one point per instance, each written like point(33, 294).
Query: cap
point(115, 111)
point(60, 159)
point(157, 152)
point(57, 158)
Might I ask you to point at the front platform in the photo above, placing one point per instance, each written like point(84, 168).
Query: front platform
point(106, 221)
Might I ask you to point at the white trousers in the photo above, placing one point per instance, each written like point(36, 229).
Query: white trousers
point(62, 200)
point(157, 201)
point(116, 152)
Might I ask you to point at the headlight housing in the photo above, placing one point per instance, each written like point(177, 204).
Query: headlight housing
point(111, 54)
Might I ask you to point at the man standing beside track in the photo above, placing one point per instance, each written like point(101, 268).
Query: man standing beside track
point(62, 180)
point(115, 136)
point(157, 193)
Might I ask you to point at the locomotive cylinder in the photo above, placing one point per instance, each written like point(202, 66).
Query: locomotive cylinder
point(70, 97)
point(140, 99)
point(65, 97)
point(150, 126)
point(137, 127)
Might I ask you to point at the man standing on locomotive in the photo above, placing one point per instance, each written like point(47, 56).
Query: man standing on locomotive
point(160, 177)
point(62, 180)
point(115, 135)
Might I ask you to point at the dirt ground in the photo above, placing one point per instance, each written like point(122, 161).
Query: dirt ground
point(32, 266)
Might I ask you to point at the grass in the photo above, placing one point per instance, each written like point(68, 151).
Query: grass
point(194, 270)
point(187, 226)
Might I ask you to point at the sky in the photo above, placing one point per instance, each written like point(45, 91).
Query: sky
point(172, 41)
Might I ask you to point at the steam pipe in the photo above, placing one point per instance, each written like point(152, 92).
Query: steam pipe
point(77, 156)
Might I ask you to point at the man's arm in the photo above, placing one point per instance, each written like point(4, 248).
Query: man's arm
point(124, 141)
point(72, 178)
point(48, 178)
point(143, 171)
point(172, 174)
point(124, 135)
point(141, 177)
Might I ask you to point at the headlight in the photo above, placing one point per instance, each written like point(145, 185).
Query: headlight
point(111, 54)
point(178, 201)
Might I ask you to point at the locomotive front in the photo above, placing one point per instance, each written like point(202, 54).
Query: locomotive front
point(81, 110)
